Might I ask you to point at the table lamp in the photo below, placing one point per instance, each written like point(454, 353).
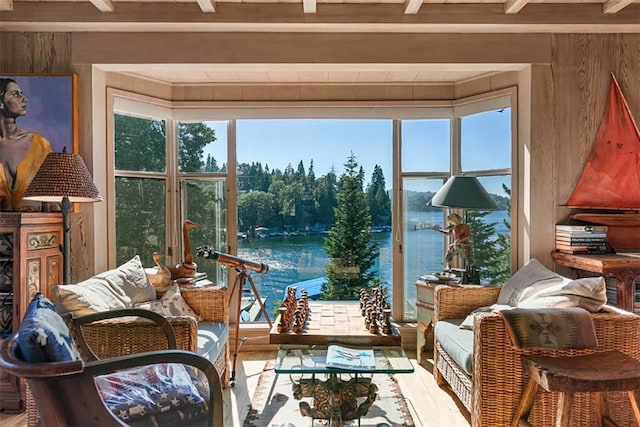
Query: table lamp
point(464, 192)
point(63, 178)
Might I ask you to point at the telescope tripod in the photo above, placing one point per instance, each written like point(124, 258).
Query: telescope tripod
point(238, 284)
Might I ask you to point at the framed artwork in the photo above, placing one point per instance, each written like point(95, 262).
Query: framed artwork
point(52, 108)
point(38, 114)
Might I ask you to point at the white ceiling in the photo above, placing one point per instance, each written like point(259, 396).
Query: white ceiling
point(311, 73)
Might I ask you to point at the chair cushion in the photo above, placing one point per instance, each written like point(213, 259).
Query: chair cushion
point(212, 337)
point(457, 342)
point(160, 394)
point(43, 336)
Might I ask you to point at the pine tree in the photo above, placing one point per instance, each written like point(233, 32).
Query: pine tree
point(349, 244)
point(491, 251)
point(378, 199)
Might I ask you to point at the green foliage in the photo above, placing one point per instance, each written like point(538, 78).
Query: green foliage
point(140, 218)
point(140, 144)
point(349, 244)
point(193, 137)
point(502, 268)
point(256, 207)
point(491, 251)
point(378, 199)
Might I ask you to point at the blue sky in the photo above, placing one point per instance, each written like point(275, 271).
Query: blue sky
point(328, 142)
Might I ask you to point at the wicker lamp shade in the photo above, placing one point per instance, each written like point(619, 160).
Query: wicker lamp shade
point(63, 175)
point(63, 178)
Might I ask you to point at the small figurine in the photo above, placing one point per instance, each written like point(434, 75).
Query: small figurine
point(461, 234)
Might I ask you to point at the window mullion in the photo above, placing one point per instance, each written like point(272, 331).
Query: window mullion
point(172, 200)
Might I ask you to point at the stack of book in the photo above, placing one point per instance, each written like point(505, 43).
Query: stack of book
point(581, 239)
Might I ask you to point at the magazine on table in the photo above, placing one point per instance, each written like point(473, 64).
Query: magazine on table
point(340, 357)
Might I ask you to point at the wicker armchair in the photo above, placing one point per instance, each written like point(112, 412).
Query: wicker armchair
point(133, 335)
point(130, 335)
point(492, 392)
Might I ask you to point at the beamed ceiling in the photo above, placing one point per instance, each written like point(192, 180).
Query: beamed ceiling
point(319, 16)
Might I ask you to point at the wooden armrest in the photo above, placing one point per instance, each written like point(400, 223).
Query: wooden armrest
point(211, 303)
point(456, 302)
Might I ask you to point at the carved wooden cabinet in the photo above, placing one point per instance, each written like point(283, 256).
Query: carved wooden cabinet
point(30, 262)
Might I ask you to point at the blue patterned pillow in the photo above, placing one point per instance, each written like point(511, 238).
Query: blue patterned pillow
point(43, 336)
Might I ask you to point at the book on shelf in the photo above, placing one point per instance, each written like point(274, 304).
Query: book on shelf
point(585, 228)
point(341, 357)
point(581, 240)
point(581, 234)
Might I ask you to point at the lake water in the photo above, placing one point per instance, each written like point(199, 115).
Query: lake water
point(294, 259)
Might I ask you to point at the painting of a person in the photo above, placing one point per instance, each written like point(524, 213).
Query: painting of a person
point(21, 151)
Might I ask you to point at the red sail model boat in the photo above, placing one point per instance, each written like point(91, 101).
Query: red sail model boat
point(611, 177)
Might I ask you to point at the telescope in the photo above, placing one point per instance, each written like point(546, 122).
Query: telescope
point(231, 260)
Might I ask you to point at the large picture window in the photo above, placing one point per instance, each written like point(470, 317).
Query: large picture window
point(280, 186)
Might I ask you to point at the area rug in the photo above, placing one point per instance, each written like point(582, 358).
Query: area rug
point(273, 404)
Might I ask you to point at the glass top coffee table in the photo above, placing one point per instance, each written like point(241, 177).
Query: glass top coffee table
point(338, 394)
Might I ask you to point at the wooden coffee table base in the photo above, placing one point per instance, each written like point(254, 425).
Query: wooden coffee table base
point(335, 399)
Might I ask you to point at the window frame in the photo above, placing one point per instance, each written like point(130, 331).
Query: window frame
point(175, 111)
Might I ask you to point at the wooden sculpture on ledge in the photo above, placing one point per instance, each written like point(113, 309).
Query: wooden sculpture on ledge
point(188, 268)
point(159, 277)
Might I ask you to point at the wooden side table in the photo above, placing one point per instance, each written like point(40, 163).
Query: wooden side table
point(626, 270)
point(425, 306)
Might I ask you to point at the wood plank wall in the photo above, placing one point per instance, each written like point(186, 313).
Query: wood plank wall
point(567, 97)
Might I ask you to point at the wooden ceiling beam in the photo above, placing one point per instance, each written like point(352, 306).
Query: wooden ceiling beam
point(309, 6)
point(514, 6)
point(615, 6)
point(103, 5)
point(289, 17)
point(6, 4)
point(207, 5)
point(411, 7)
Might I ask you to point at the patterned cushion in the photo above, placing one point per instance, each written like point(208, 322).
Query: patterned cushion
point(550, 328)
point(159, 394)
point(43, 335)
point(173, 304)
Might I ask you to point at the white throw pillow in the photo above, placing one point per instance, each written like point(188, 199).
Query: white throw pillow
point(530, 273)
point(91, 296)
point(589, 293)
point(535, 286)
point(132, 279)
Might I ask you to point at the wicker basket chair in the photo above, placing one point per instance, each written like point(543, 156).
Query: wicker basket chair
point(492, 393)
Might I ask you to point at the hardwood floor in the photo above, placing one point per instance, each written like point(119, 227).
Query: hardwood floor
point(431, 406)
